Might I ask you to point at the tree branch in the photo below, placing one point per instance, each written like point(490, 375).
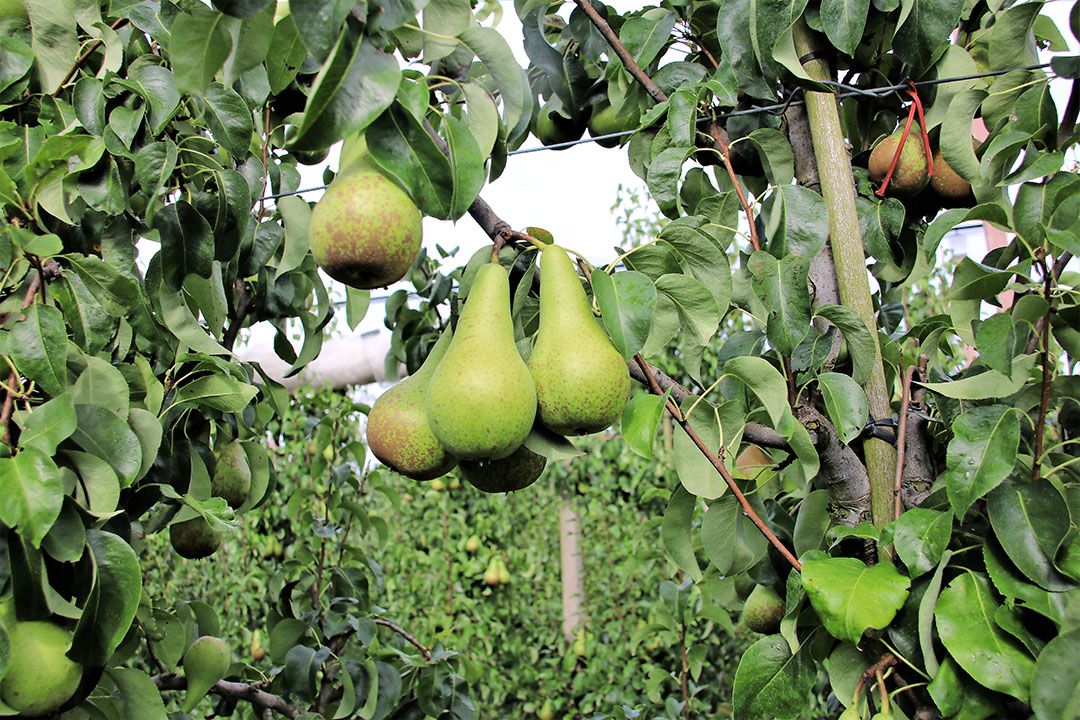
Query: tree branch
point(403, 633)
point(901, 438)
point(259, 699)
point(919, 470)
point(725, 157)
point(842, 473)
point(243, 307)
point(117, 24)
point(620, 50)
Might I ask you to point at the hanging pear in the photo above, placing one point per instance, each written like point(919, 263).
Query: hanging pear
point(581, 379)
point(517, 471)
point(482, 402)
point(398, 430)
point(206, 661)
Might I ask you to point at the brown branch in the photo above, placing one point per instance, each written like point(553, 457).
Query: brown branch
point(684, 671)
point(86, 54)
point(404, 633)
point(843, 474)
point(887, 660)
point(37, 283)
point(725, 156)
point(1044, 400)
point(259, 699)
point(718, 463)
point(243, 307)
point(620, 50)
point(1072, 110)
point(901, 436)
point(919, 470)
point(1059, 267)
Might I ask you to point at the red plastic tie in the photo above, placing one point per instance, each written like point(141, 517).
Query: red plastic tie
point(916, 107)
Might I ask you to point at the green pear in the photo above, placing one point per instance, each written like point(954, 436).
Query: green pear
point(581, 379)
point(365, 231)
point(40, 678)
point(232, 474)
point(398, 431)
point(605, 121)
point(482, 402)
point(763, 610)
point(518, 470)
point(206, 661)
point(910, 176)
point(194, 539)
point(504, 572)
point(552, 128)
point(491, 573)
point(472, 544)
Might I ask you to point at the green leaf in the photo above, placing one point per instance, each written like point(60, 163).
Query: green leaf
point(861, 345)
point(551, 445)
point(103, 433)
point(48, 424)
point(627, 301)
point(229, 119)
point(779, 162)
point(844, 21)
point(922, 32)
point(219, 392)
point(139, 697)
point(812, 522)
point(920, 537)
point(797, 222)
point(199, 43)
point(782, 286)
point(180, 321)
point(702, 256)
point(113, 600)
point(493, 52)
point(694, 302)
point(102, 384)
point(845, 402)
point(695, 471)
point(765, 381)
point(39, 347)
point(645, 35)
point(640, 418)
point(964, 615)
point(187, 243)
point(405, 151)
point(357, 83)
point(732, 542)
point(115, 291)
point(851, 597)
point(995, 339)
point(664, 173)
point(675, 532)
point(1010, 40)
point(98, 489)
point(356, 306)
point(973, 281)
point(296, 215)
point(956, 146)
point(1032, 520)
point(771, 683)
point(981, 454)
point(55, 41)
point(1055, 686)
point(31, 493)
point(988, 385)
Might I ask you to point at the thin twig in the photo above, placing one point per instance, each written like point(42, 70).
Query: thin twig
point(725, 156)
point(901, 435)
point(1044, 401)
point(36, 283)
point(684, 672)
point(243, 307)
point(620, 50)
point(404, 633)
point(718, 463)
point(887, 660)
point(258, 698)
point(117, 24)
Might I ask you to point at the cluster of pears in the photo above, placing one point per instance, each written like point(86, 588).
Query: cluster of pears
point(365, 231)
point(496, 573)
point(912, 175)
point(552, 127)
point(195, 539)
point(40, 677)
point(474, 400)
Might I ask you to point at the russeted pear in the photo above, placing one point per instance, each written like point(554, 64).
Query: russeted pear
point(910, 176)
point(398, 430)
point(40, 678)
point(947, 183)
point(581, 379)
point(482, 402)
point(517, 471)
point(365, 231)
point(232, 474)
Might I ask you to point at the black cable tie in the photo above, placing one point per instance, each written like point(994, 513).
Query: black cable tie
point(812, 55)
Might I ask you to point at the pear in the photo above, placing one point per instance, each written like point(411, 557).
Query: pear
point(910, 176)
point(40, 678)
point(947, 183)
point(515, 472)
point(605, 121)
point(552, 128)
point(398, 431)
point(232, 474)
point(206, 661)
point(194, 539)
point(491, 573)
point(365, 231)
point(258, 652)
point(581, 379)
point(482, 402)
point(504, 572)
point(763, 610)
point(546, 712)
point(472, 544)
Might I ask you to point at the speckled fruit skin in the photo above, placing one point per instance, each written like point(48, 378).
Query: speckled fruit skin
point(516, 472)
point(910, 177)
point(947, 183)
point(232, 475)
point(763, 610)
point(398, 430)
point(365, 231)
point(482, 402)
point(581, 379)
point(551, 128)
point(40, 678)
point(194, 539)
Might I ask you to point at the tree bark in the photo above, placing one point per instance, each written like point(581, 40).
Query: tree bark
point(572, 569)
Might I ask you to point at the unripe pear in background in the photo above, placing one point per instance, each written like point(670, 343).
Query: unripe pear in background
point(398, 430)
point(910, 176)
point(581, 379)
point(194, 539)
point(40, 678)
point(515, 472)
point(491, 573)
point(365, 231)
point(482, 402)
point(232, 474)
point(472, 544)
point(206, 661)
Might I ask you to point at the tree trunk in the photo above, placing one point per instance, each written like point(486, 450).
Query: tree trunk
point(573, 592)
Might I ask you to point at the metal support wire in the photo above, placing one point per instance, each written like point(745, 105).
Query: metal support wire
point(772, 109)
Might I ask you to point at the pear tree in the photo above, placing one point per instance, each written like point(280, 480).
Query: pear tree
point(914, 545)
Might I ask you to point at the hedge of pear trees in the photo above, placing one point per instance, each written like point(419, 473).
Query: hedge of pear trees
point(921, 523)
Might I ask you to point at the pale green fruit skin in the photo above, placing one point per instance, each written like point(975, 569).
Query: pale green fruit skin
point(232, 475)
point(40, 677)
point(206, 661)
point(365, 231)
point(604, 121)
point(763, 610)
point(482, 402)
point(517, 471)
point(552, 129)
point(398, 430)
point(910, 177)
point(581, 379)
point(13, 9)
point(194, 539)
